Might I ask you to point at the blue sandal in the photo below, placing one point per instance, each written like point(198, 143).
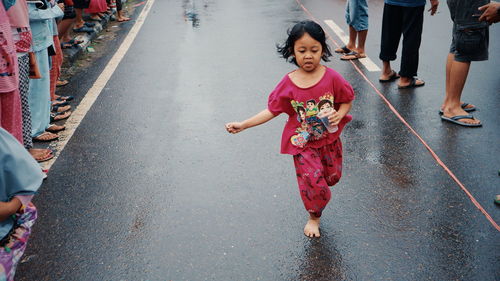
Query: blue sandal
point(454, 119)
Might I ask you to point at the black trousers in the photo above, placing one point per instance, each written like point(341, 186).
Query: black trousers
point(407, 21)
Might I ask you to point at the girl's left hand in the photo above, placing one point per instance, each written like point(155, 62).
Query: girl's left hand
point(335, 117)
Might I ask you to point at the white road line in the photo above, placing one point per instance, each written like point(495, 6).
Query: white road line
point(367, 62)
point(76, 118)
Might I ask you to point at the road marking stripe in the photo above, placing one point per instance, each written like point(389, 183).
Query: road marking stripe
point(398, 115)
point(93, 93)
point(367, 62)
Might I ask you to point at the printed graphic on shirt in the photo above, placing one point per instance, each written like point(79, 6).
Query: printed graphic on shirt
point(308, 112)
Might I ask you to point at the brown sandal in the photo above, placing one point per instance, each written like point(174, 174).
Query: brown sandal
point(41, 155)
point(45, 136)
point(53, 128)
point(59, 116)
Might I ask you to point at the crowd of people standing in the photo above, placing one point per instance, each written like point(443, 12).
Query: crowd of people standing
point(404, 18)
point(33, 36)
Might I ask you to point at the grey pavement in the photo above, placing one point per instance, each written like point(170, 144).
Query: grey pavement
point(152, 187)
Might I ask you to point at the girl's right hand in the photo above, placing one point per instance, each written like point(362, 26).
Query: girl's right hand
point(234, 127)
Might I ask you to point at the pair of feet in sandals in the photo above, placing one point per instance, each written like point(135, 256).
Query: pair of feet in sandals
point(41, 154)
point(404, 82)
point(461, 116)
point(50, 133)
point(350, 53)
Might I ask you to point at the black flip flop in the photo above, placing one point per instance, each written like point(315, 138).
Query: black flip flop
point(345, 50)
point(413, 84)
point(392, 77)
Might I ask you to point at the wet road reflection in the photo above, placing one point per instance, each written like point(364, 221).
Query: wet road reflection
point(320, 260)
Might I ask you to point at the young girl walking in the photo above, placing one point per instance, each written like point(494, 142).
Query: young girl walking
point(312, 131)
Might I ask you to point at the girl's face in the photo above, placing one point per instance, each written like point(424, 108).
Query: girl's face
point(307, 52)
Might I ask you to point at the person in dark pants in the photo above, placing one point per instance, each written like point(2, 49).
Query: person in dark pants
point(404, 17)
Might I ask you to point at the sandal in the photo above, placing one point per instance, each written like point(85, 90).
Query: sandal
point(53, 128)
point(45, 136)
point(61, 83)
point(64, 98)
point(456, 120)
point(392, 77)
point(464, 107)
point(343, 50)
point(41, 155)
point(413, 84)
point(352, 56)
point(83, 29)
point(61, 108)
point(59, 102)
point(66, 45)
point(59, 116)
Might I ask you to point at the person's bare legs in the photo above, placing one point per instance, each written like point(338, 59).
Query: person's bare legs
point(449, 61)
point(362, 34)
point(386, 70)
point(79, 22)
point(456, 75)
point(353, 34)
point(120, 17)
point(63, 29)
point(312, 226)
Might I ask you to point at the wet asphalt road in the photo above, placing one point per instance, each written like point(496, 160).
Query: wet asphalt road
point(151, 187)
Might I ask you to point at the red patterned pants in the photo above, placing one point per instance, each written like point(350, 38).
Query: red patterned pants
point(317, 169)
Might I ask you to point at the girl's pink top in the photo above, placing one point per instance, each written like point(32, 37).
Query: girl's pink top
point(303, 127)
point(18, 14)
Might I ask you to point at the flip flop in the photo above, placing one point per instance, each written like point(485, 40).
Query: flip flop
point(65, 98)
point(454, 119)
point(66, 45)
point(61, 83)
point(45, 158)
point(50, 136)
point(464, 107)
point(413, 84)
point(61, 108)
point(76, 41)
point(54, 117)
point(53, 128)
point(352, 56)
point(392, 77)
point(343, 50)
point(83, 29)
point(497, 200)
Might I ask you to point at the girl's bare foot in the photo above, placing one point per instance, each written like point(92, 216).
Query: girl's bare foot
point(312, 226)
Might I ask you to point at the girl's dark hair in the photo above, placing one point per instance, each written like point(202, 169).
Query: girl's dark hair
point(299, 29)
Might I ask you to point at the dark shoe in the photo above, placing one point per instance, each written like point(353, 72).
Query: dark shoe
point(89, 24)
